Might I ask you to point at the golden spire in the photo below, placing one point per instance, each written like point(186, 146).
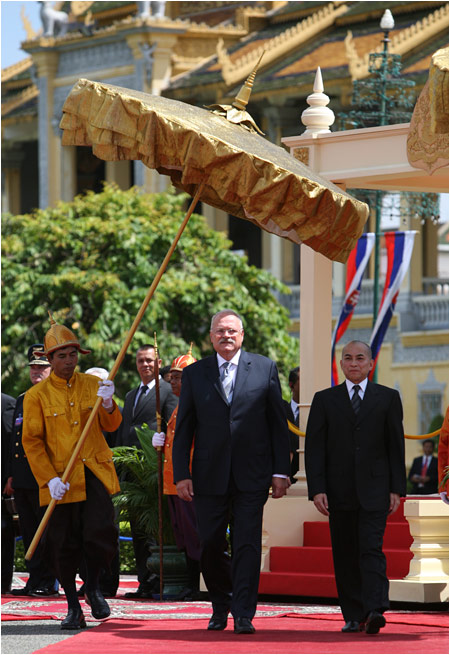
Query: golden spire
point(236, 113)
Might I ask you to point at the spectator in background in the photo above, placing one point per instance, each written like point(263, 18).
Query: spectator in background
point(182, 513)
point(165, 373)
point(22, 485)
point(443, 460)
point(424, 471)
point(291, 410)
point(8, 536)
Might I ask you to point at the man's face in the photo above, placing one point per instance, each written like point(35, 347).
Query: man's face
point(64, 361)
point(356, 363)
point(295, 388)
point(227, 335)
point(428, 448)
point(145, 364)
point(39, 373)
point(175, 382)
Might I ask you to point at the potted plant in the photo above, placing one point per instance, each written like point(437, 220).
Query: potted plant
point(138, 472)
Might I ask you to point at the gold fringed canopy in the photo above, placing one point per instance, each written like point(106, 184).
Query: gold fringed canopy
point(246, 175)
point(427, 143)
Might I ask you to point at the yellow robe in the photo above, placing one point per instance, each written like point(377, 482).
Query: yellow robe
point(55, 412)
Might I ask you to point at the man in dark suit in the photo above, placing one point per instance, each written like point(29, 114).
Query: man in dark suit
point(424, 471)
point(291, 411)
point(139, 408)
point(231, 408)
point(8, 535)
point(355, 469)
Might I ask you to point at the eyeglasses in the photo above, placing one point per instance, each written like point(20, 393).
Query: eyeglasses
point(230, 332)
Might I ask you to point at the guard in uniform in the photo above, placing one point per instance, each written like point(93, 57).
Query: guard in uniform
point(82, 523)
point(22, 485)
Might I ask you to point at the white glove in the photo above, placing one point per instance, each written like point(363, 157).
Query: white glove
point(443, 495)
point(158, 439)
point(57, 488)
point(106, 391)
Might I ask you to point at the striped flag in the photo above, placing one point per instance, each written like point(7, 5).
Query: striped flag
point(356, 265)
point(399, 246)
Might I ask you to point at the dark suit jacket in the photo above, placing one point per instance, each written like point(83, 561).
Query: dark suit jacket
point(247, 440)
point(8, 404)
point(18, 466)
point(356, 460)
point(146, 413)
point(430, 487)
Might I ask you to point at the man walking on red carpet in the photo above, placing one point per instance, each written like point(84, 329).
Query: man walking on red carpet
point(231, 408)
point(82, 524)
point(355, 469)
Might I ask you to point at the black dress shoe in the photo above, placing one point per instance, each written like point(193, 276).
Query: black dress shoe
point(25, 591)
point(218, 621)
point(374, 622)
point(44, 592)
point(352, 626)
point(74, 620)
point(243, 626)
point(99, 606)
point(141, 592)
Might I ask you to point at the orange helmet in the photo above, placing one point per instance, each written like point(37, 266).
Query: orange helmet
point(179, 363)
point(59, 336)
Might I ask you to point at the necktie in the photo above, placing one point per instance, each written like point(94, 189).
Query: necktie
point(356, 400)
point(227, 382)
point(296, 413)
point(424, 467)
point(142, 391)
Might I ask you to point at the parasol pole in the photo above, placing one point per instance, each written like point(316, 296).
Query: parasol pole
point(160, 471)
point(67, 473)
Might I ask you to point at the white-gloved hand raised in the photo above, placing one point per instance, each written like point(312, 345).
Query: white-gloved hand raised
point(443, 495)
point(57, 488)
point(106, 391)
point(158, 439)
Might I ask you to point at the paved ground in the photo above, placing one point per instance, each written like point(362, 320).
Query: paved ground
point(23, 637)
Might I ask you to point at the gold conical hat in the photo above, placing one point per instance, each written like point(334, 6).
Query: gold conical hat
point(59, 336)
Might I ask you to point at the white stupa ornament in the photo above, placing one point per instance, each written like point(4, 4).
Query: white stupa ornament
point(318, 117)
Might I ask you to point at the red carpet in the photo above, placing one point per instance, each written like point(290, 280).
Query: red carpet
point(308, 570)
point(277, 635)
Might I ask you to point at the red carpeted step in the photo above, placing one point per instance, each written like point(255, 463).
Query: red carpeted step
point(298, 559)
point(298, 584)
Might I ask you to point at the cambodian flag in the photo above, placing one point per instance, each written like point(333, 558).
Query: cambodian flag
point(356, 265)
point(399, 246)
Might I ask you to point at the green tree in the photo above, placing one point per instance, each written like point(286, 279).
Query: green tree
point(92, 260)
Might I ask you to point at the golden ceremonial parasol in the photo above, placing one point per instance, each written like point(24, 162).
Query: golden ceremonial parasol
point(427, 144)
point(217, 157)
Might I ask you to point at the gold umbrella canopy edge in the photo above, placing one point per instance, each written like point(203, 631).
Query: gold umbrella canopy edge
point(246, 175)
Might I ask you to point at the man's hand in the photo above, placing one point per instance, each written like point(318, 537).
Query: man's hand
point(394, 503)
point(106, 391)
point(8, 490)
point(57, 488)
point(280, 486)
point(185, 490)
point(158, 439)
point(321, 503)
point(444, 497)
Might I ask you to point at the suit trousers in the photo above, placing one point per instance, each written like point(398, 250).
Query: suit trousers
point(359, 561)
point(30, 515)
point(233, 582)
point(82, 530)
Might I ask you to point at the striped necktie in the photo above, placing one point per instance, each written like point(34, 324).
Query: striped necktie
point(226, 380)
point(356, 400)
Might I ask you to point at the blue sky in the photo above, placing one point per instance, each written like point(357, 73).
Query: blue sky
point(12, 30)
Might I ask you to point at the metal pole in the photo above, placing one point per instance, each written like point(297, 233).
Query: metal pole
point(378, 195)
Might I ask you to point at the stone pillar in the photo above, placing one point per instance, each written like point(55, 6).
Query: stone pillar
point(118, 172)
point(427, 580)
point(11, 178)
point(46, 63)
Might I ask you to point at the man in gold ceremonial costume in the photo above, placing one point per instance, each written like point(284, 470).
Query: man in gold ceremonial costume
point(82, 524)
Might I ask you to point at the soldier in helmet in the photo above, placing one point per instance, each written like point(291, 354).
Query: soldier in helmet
point(82, 524)
point(182, 514)
point(22, 485)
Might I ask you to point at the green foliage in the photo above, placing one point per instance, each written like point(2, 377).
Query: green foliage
point(138, 473)
point(92, 260)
